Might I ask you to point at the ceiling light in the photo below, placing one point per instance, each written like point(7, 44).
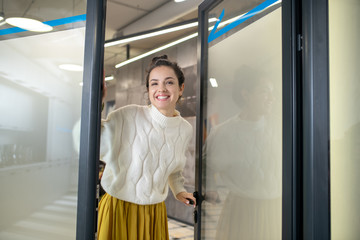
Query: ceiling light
point(71, 67)
point(1, 18)
point(213, 82)
point(177, 1)
point(109, 78)
point(81, 84)
point(155, 33)
point(156, 50)
point(29, 24)
point(152, 34)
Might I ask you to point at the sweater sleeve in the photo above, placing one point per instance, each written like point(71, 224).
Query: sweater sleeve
point(108, 139)
point(176, 179)
point(176, 182)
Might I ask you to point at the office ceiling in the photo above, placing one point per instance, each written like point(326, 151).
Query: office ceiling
point(126, 17)
point(123, 17)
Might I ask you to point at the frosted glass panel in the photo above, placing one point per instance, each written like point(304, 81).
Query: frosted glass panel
point(40, 104)
point(242, 170)
point(344, 30)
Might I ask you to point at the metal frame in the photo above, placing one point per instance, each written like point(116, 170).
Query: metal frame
point(292, 122)
point(316, 134)
point(202, 54)
point(90, 119)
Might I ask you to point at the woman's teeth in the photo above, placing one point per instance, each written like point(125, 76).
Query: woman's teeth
point(162, 97)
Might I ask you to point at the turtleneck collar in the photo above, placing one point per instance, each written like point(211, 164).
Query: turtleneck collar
point(163, 120)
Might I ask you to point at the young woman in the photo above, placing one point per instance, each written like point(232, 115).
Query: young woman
point(144, 151)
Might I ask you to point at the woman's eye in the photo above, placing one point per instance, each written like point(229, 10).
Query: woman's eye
point(153, 84)
point(170, 82)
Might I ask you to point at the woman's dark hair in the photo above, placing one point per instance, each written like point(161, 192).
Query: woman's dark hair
point(164, 61)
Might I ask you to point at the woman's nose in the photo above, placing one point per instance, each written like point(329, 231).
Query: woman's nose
point(162, 88)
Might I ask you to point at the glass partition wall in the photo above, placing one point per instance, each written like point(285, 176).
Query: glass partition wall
point(40, 102)
point(242, 122)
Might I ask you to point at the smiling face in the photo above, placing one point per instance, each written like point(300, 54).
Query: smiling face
point(164, 90)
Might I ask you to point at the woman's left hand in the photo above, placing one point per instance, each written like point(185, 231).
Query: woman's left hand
point(186, 197)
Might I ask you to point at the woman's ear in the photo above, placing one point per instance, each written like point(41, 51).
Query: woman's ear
point(182, 89)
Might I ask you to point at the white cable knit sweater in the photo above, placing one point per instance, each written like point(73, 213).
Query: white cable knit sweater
point(144, 152)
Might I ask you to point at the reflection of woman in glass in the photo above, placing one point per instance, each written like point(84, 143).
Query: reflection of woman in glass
point(244, 153)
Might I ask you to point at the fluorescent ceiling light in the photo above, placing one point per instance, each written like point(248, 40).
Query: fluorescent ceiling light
point(152, 34)
point(156, 33)
point(177, 1)
point(213, 82)
point(29, 24)
point(109, 78)
point(71, 67)
point(156, 50)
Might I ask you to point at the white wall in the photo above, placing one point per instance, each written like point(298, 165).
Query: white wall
point(344, 28)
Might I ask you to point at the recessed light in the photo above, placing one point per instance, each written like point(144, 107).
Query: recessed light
point(71, 67)
point(28, 24)
point(109, 78)
point(213, 82)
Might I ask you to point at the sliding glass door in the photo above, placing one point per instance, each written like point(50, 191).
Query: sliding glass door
point(240, 118)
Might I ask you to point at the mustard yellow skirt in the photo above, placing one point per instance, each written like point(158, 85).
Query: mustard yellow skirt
point(122, 220)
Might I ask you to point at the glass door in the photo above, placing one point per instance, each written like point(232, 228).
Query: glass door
point(41, 75)
point(240, 114)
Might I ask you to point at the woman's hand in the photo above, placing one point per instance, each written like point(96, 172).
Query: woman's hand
point(186, 198)
point(103, 88)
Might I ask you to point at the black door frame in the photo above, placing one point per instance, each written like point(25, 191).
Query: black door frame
point(306, 165)
point(316, 126)
point(90, 119)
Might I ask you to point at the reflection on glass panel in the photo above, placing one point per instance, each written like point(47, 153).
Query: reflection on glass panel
point(344, 52)
point(243, 146)
point(40, 105)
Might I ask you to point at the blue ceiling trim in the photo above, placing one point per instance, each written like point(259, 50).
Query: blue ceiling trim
point(53, 23)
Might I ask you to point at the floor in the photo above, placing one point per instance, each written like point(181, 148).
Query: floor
point(57, 221)
point(178, 230)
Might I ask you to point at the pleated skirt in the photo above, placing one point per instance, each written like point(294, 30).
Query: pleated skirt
point(121, 220)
